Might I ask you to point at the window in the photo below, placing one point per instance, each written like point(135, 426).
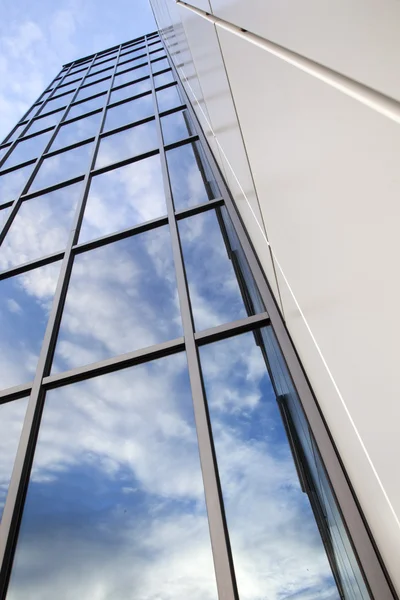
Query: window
point(12, 183)
point(116, 492)
point(27, 150)
point(77, 131)
point(128, 91)
point(191, 179)
point(44, 122)
point(176, 126)
point(25, 303)
point(130, 75)
point(129, 112)
point(57, 102)
point(61, 167)
point(92, 90)
point(126, 144)
point(40, 227)
point(121, 297)
point(124, 197)
point(168, 98)
point(77, 110)
point(164, 78)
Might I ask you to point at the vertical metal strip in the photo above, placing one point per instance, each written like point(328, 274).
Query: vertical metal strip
point(359, 534)
point(223, 563)
point(19, 482)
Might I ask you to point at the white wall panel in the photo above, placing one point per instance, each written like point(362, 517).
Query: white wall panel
point(359, 39)
point(326, 171)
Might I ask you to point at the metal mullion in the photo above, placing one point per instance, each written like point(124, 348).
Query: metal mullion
point(38, 163)
point(359, 534)
point(122, 85)
point(200, 208)
point(52, 188)
point(120, 235)
point(171, 111)
point(6, 204)
point(127, 126)
point(116, 363)
point(32, 264)
point(123, 163)
point(184, 142)
point(13, 508)
point(227, 330)
point(125, 100)
point(14, 393)
point(223, 563)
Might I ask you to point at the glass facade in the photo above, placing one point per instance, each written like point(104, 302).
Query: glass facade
point(153, 442)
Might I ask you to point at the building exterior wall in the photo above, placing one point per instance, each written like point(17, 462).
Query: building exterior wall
point(312, 165)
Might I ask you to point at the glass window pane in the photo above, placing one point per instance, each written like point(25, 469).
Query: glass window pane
point(82, 108)
point(4, 212)
point(168, 98)
point(3, 151)
point(160, 65)
point(213, 286)
point(131, 75)
point(62, 167)
point(116, 500)
point(276, 546)
point(44, 122)
point(67, 87)
point(71, 133)
point(41, 227)
point(25, 304)
point(12, 184)
point(57, 102)
point(129, 112)
point(121, 297)
point(192, 181)
point(126, 144)
point(123, 198)
point(91, 90)
point(139, 71)
point(176, 126)
point(16, 133)
point(73, 77)
point(134, 89)
point(163, 79)
point(27, 149)
point(157, 53)
point(101, 67)
point(12, 416)
point(32, 112)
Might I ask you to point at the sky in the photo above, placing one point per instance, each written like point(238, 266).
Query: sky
point(37, 38)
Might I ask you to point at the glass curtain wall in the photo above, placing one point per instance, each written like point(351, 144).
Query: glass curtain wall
point(154, 441)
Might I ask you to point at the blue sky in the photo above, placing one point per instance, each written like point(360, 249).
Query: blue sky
point(36, 38)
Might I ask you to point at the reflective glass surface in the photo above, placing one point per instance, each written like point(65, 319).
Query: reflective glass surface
point(101, 67)
point(11, 420)
point(160, 65)
point(164, 78)
point(57, 102)
point(176, 126)
point(115, 507)
point(25, 303)
point(84, 107)
point(157, 53)
point(131, 142)
point(131, 75)
point(3, 151)
point(138, 72)
point(214, 291)
point(40, 227)
point(16, 133)
point(80, 130)
point(121, 297)
point(129, 112)
point(12, 184)
point(4, 212)
point(276, 546)
point(168, 98)
point(124, 197)
point(192, 181)
point(44, 122)
point(67, 87)
point(62, 167)
point(27, 149)
point(32, 112)
point(73, 77)
point(133, 89)
point(92, 90)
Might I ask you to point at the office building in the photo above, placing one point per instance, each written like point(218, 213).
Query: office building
point(160, 438)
